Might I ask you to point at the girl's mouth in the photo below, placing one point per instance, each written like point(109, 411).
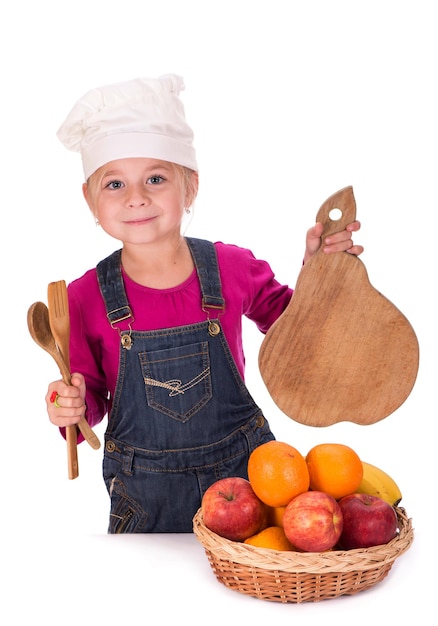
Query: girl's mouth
point(139, 221)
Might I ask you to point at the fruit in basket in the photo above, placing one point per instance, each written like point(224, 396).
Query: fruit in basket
point(277, 472)
point(231, 509)
point(376, 482)
point(334, 468)
point(272, 537)
point(368, 521)
point(275, 515)
point(313, 521)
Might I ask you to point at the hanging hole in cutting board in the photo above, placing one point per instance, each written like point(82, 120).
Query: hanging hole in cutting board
point(335, 214)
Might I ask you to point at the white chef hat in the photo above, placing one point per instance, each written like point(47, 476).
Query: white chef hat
point(138, 118)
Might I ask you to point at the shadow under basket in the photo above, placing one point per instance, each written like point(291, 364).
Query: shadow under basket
point(300, 576)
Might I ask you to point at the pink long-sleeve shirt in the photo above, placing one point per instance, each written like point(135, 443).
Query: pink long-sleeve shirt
point(248, 287)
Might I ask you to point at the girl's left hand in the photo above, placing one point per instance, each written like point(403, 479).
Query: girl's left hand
point(338, 242)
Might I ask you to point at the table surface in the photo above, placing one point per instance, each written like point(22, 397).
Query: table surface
point(86, 579)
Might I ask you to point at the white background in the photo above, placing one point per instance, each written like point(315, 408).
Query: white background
point(289, 101)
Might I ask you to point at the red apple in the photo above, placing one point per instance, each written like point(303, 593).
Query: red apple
point(231, 509)
point(368, 521)
point(312, 521)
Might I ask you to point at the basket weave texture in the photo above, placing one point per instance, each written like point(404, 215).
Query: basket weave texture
point(300, 576)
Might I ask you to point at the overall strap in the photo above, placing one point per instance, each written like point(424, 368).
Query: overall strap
point(205, 259)
point(112, 288)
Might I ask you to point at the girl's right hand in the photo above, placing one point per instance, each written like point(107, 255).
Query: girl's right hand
point(69, 406)
point(337, 242)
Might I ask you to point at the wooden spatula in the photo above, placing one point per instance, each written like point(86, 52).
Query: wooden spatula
point(59, 318)
point(60, 325)
point(341, 351)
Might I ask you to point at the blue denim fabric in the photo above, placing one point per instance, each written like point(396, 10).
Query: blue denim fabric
point(182, 417)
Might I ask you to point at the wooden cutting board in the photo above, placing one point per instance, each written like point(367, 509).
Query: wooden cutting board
point(341, 351)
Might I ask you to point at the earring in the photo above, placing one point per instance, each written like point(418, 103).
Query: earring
point(187, 210)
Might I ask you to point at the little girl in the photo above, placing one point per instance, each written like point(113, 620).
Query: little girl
point(156, 335)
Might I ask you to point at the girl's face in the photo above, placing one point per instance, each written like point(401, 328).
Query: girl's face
point(139, 200)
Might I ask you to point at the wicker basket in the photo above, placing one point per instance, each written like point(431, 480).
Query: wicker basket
point(300, 576)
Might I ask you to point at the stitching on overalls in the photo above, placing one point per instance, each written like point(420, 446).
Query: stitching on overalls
point(175, 386)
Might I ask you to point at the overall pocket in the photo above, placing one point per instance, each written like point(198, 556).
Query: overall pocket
point(177, 380)
point(126, 515)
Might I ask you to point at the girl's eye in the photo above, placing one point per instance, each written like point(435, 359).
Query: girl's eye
point(114, 184)
point(155, 180)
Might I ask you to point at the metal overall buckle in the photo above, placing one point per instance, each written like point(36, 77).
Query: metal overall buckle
point(125, 335)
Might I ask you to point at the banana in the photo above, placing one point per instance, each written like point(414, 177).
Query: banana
point(376, 482)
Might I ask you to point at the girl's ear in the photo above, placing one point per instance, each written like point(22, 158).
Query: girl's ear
point(85, 192)
point(87, 195)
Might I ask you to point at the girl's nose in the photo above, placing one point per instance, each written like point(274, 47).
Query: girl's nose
point(138, 197)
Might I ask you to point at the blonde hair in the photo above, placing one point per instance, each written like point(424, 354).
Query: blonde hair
point(188, 180)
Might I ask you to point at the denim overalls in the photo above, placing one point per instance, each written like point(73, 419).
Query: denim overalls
point(181, 418)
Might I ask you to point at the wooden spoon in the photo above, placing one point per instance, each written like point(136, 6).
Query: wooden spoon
point(39, 328)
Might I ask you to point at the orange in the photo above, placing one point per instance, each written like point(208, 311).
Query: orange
point(272, 537)
point(335, 469)
point(275, 515)
point(277, 473)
